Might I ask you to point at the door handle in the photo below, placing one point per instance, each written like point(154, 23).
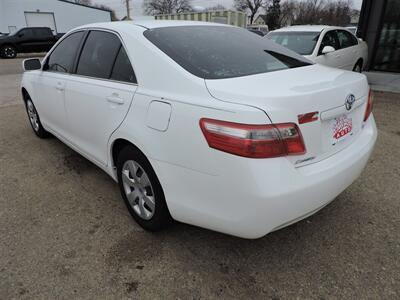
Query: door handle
point(115, 99)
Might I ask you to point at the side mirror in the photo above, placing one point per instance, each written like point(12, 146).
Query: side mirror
point(20, 35)
point(31, 64)
point(328, 49)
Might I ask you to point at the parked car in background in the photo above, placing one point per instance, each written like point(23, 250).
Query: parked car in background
point(352, 29)
point(331, 46)
point(27, 40)
point(261, 28)
point(203, 123)
point(260, 33)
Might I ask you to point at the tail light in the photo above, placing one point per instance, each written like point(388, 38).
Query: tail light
point(254, 141)
point(370, 104)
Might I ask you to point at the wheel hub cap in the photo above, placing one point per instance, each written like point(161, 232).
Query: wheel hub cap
point(138, 189)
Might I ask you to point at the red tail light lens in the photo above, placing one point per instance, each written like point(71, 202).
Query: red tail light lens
point(255, 141)
point(370, 104)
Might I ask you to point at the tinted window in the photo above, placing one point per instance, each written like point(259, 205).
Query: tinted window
point(27, 32)
point(98, 54)
point(63, 56)
point(122, 70)
point(40, 32)
point(330, 39)
point(346, 39)
point(214, 52)
point(300, 42)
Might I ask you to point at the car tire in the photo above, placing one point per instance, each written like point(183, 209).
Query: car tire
point(34, 119)
point(141, 190)
point(8, 51)
point(358, 67)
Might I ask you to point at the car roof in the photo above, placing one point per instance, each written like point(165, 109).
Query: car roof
point(307, 28)
point(150, 24)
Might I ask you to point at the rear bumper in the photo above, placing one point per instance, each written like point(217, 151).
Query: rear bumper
point(250, 198)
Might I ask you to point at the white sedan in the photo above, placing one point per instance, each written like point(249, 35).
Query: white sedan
point(203, 123)
point(326, 45)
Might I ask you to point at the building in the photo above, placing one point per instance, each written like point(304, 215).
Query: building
point(260, 20)
point(59, 15)
point(231, 17)
point(379, 26)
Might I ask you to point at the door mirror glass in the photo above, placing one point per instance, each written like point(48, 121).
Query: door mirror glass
point(31, 64)
point(328, 49)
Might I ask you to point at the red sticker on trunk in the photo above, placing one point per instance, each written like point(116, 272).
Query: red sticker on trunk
point(342, 127)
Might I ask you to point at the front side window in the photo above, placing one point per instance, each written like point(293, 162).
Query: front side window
point(300, 42)
point(330, 39)
point(26, 33)
point(99, 54)
point(346, 39)
point(62, 58)
point(215, 52)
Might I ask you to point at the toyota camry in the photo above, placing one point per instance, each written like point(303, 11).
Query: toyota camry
point(203, 123)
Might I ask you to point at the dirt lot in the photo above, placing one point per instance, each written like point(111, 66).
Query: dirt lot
point(65, 233)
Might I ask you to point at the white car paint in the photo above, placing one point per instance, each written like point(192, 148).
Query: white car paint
point(346, 58)
point(241, 196)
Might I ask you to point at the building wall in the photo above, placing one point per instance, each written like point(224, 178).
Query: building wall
point(67, 15)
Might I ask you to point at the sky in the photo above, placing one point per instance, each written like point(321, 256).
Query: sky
point(137, 10)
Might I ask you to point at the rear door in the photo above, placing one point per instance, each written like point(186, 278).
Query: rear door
point(332, 59)
point(44, 39)
point(99, 94)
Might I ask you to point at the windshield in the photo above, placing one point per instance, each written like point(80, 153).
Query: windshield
point(300, 42)
point(215, 52)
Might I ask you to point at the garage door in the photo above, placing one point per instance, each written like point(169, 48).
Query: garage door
point(35, 19)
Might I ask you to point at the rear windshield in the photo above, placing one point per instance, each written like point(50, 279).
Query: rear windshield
point(300, 42)
point(215, 52)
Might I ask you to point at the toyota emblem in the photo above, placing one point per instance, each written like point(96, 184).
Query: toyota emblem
point(350, 99)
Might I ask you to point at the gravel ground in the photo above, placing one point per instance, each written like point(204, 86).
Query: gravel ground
point(65, 233)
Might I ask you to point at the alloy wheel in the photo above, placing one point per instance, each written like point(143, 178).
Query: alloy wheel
point(138, 189)
point(33, 116)
point(9, 52)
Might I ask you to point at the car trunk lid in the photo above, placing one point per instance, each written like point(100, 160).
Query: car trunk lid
point(285, 95)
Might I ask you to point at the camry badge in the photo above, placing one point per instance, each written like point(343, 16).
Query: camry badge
point(350, 99)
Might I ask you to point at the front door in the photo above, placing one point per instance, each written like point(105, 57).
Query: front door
point(50, 85)
point(332, 59)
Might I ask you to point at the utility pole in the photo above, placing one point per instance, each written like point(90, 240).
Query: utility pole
point(128, 10)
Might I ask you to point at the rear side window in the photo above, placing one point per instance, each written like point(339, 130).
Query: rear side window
point(122, 70)
point(346, 39)
point(42, 32)
point(98, 54)
point(63, 56)
point(215, 52)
